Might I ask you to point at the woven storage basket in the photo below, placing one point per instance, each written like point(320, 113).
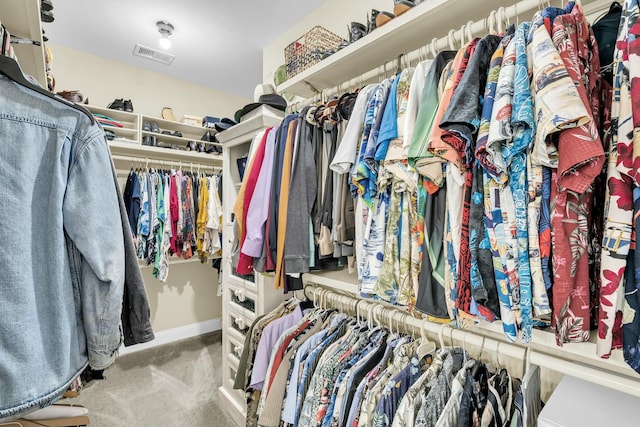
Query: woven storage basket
point(310, 49)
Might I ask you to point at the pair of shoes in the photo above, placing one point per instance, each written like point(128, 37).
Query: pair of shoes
point(46, 5)
point(109, 134)
point(401, 6)
point(150, 140)
point(383, 17)
point(121, 105)
point(195, 146)
point(150, 127)
point(207, 137)
point(175, 133)
point(46, 11)
point(356, 32)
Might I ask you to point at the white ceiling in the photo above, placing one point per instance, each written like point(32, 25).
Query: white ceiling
point(217, 44)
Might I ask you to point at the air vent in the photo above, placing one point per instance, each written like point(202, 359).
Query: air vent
point(153, 54)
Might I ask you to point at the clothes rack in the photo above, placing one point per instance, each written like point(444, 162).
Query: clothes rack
point(486, 342)
point(171, 164)
point(495, 21)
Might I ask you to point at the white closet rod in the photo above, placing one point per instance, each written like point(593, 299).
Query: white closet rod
point(523, 9)
point(395, 319)
point(484, 342)
point(172, 164)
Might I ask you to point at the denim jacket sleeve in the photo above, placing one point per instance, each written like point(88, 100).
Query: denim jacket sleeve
point(92, 222)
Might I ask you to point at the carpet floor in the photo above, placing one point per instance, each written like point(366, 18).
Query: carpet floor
point(170, 385)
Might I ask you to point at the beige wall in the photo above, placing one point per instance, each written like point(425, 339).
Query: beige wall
point(102, 80)
point(190, 294)
point(334, 15)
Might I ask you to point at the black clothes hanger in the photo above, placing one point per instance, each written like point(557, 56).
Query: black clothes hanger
point(11, 69)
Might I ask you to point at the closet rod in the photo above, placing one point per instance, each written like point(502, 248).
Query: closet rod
point(511, 13)
point(175, 164)
point(487, 341)
point(393, 316)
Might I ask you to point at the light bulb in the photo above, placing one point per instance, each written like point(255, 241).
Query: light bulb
point(164, 42)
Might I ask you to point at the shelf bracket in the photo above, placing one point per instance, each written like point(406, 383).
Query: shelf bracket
point(312, 87)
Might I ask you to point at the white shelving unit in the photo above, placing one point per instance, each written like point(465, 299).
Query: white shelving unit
point(412, 30)
point(129, 121)
point(242, 300)
point(22, 18)
point(189, 132)
point(133, 133)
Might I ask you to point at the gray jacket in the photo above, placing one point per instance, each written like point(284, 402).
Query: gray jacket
point(136, 323)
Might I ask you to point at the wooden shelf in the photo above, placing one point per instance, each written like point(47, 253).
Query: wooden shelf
point(22, 18)
point(165, 154)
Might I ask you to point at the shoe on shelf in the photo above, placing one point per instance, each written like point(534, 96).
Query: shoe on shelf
point(109, 134)
point(167, 114)
point(46, 16)
point(146, 127)
point(146, 140)
point(128, 106)
point(46, 5)
point(191, 146)
point(200, 147)
point(383, 17)
point(371, 20)
point(207, 137)
point(154, 127)
point(166, 132)
point(177, 133)
point(401, 6)
point(117, 104)
point(356, 32)
point(154, 141)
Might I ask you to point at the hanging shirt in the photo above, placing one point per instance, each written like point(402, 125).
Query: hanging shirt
point(346, 152)
point(626, 92)
point(436, 400)
point(502, 207)
point(165, 245)
point(416, 89)
point(581, 156)
point(418, 154)
point(363, 180)
point(269, 336)
point(523, 126)
point(258, 208)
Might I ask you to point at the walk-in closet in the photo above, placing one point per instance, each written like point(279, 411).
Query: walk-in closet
point(319, 214)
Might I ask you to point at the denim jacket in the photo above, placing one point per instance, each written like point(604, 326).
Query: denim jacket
point(61, 249)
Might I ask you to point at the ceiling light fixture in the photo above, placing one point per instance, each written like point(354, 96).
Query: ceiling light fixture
point(165, 29)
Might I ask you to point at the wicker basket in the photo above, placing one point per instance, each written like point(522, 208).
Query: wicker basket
point(311, 48)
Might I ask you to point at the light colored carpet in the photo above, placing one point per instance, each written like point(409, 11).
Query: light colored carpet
point(170, 385)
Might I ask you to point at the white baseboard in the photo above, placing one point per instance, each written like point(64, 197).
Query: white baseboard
point(176, 334)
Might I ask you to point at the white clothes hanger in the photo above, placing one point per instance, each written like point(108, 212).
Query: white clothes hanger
point(426, 347)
